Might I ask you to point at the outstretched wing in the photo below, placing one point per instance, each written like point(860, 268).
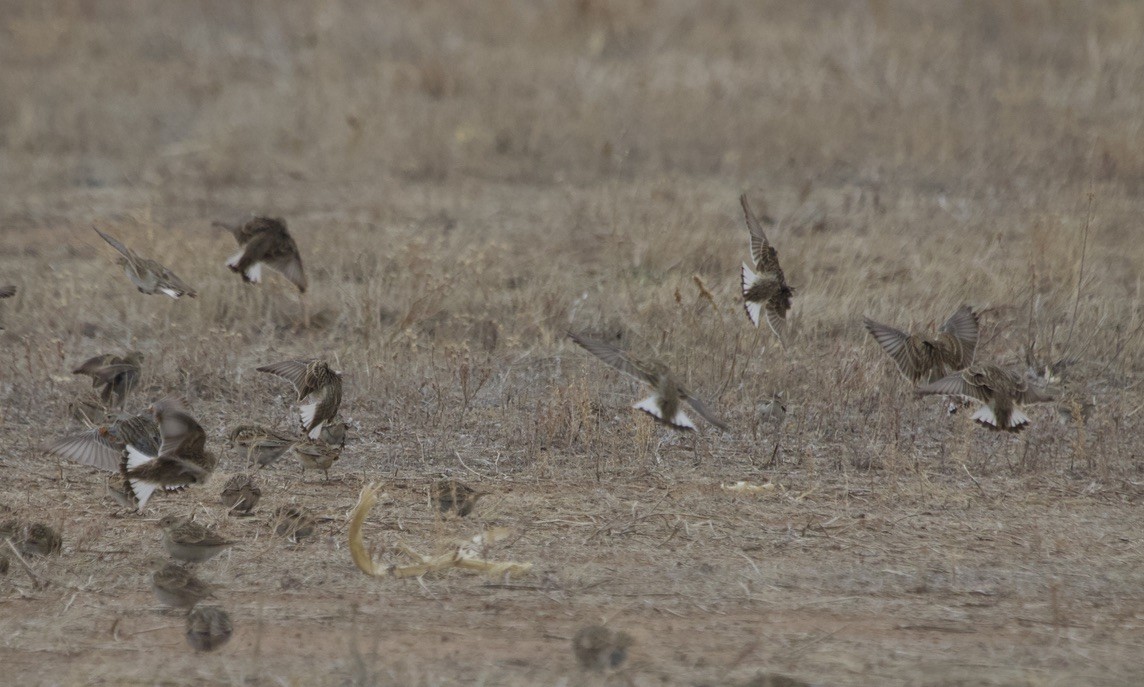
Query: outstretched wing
point(762, 252)
point(614, 357)
point(114, 242)
point(293, 371)
point(963, 326)
point(954, 385)
point(896, 343)
point(93, 447)
point(703, 411)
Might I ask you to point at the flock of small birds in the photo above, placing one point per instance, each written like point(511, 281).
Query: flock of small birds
point(164, 449)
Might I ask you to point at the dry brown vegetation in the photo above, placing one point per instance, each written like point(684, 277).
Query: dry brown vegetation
point(468, 181)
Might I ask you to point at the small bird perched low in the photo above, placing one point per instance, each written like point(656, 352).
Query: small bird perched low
point(766, 294)
point(182, 458)
point(317, 456)
point(118, 375)
point(178, 587)
point(263, 445)
point(598, 648)
point(149, 276)
point(208, 628)
point(265, 241)
point(453, 496)
point(33, 539)
point(1001, 391)
point(312, 378)
point(240, 494)
point(294, 522)
point(921, 357)
point(664, 403)
point(189, 541)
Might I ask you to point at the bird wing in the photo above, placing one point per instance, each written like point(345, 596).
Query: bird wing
point(895, 342)
point(291, 267)
point(614, 357)
point(702, 409)
point(92, 447)
point(293, 371)
point(963, 326)
point(954, 385)
point(115, 243)
point(765, 257)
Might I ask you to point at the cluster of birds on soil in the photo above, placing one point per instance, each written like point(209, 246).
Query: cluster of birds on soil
point(165, 448)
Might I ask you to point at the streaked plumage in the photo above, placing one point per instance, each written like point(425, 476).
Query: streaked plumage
point(240, 494)
point(118, 375)
point(178, 587)
point(921, 357)
point(317, 456)
point(208, 628)
point(263, 445)
point(105, 446)
point(664, 403)
point(766, 294)
point(598, 648)
point(181, 460)
point(312, 378)
point(265, 241)
point(453, 496)
point(149, 276)
point(32, 539)
point(294, 522)
point(1001, 391)
point(189, 541)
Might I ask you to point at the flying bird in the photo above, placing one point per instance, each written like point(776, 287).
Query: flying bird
point(118, 375)
point(314, 379)
point(148, 276)
point(1001, 392)
point(921, 357)
point(182, 458)
point(766, 294)
point(105, 446)
point(265, 241)
point(664, 402)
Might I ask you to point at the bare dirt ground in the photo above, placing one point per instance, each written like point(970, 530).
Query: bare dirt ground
point(469, 181)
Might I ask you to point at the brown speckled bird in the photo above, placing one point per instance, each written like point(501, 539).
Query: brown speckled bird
point(178, 587)
point(240, 494)
point(182, 458)
point(189, 541)
point(294, 522)
point(265, 241)
point(766, 294)
point(148, 276)
point(263, 445)
point(1001, 391)
point(664, 403)
point(453, 496)
point(105, 446)
point(312, 378)
point(208, 628)
point(118, 375)
point(598, 648)
point(317, 456)
point(37, 539)
point(921, 357)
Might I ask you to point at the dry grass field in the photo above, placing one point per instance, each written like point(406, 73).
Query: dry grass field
point(468, 182)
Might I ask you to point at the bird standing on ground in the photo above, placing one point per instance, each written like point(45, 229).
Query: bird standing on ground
point(240, 494)
point(312, 378)
point(118, 375)
point(664, 403)
point(178, 587)
point(208, 628)
point(148, 276)
point(263, 445)
point(453, 496)
point(598, 648)
point(317, 456)
point(189, 541)
point(766, 294)
point(920, 357)
point(182, 458)
point(1001, 391)
point(265, 241)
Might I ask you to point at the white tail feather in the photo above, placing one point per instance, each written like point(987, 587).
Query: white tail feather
point(254, 272)
point(142, 491)
point(748, 278)
point(1018, 418)
point(650, 405)
point(232, 261)
point(307, 412)
point(984, 414)
point(316, 432)
point(135, 458)
point(170, 292)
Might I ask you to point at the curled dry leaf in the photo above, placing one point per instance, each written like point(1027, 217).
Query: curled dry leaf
point(465, 556)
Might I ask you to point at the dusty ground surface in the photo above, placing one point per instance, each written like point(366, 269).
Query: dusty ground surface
point(467, 183)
